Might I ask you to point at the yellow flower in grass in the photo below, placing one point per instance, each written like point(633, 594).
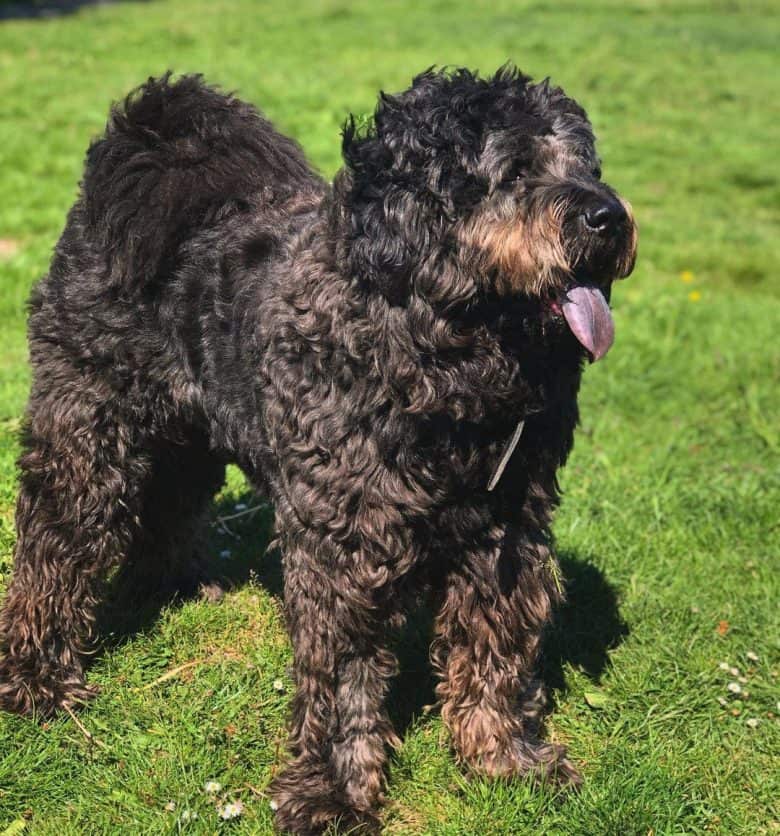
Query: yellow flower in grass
point(687, 276)
point(694, 296)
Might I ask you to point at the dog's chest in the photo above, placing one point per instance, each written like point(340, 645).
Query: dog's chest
point(454, 459)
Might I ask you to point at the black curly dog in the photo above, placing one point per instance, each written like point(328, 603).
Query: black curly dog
point(394, 359)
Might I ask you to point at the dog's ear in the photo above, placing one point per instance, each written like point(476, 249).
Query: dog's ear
point(362, 150)
point(389, 213)
point(409, 173)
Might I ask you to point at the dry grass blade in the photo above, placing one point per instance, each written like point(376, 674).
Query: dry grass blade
point(91, 739)
point(171, 674)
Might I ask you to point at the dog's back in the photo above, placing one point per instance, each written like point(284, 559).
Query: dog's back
point(178, 156)
point(181, 172)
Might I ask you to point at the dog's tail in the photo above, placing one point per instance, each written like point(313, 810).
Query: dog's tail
point(177, 156)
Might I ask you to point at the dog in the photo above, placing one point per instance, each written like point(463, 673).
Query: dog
point(393, 359)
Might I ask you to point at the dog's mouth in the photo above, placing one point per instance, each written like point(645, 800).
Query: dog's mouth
point(586, 311)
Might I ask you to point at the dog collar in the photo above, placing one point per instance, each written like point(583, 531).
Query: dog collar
point(506, 455)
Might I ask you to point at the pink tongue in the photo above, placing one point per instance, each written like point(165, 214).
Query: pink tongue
point(587, 312)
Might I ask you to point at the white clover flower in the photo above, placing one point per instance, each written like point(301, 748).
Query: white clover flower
point(170, 807)
point(734, 687)
point(752, 656)
point(724, 666)
point(188, 815)
point(752, 722)
point(212, 787)
point(278, 685)
point(723, 701)
point(231, 810)
point(273, 805)
point(734, 671)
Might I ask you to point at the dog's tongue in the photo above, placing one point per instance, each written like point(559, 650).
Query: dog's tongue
point(587, 312)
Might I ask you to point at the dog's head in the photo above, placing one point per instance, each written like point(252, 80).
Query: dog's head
point(464, 187)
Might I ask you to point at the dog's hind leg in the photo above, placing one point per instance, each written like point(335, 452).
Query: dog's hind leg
point(496, 605)
point(98, 491)
point(83, 472)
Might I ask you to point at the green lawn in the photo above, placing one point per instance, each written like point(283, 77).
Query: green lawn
point(669, 527)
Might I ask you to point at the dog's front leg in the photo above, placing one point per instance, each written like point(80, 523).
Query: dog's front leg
point(339, 730)
point(496, 604)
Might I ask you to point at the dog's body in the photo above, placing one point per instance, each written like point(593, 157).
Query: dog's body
point(364, 352)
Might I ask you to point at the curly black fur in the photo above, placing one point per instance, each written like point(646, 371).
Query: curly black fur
point(363, 352)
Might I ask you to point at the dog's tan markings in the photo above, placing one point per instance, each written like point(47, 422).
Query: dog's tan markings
point(626, 264)
point(526, 254)
point(501, 246)
point(547, 241)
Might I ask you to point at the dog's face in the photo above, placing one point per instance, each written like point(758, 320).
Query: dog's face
point(503, 177)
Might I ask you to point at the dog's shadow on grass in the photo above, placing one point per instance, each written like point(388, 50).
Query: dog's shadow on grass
point(585, 628)
point(234, 551)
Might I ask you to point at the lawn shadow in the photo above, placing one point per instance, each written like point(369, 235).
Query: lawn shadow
point(234, 552)
point(585, 628)
point(13, 10)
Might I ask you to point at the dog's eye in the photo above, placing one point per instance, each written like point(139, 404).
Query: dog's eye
point(596, 172)
point(516, 171)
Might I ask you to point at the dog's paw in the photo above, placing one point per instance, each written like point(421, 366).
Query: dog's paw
point(306, 803)
point(547, 762)
point(40, 694)
point(541, 761)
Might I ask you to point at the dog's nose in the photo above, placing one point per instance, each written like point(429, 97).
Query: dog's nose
point(604, 215)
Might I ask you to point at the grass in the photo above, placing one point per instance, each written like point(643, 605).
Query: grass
point(668, 531)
